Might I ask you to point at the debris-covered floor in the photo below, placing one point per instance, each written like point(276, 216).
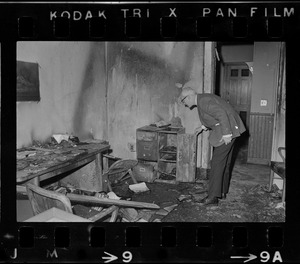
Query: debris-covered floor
point(248, 199)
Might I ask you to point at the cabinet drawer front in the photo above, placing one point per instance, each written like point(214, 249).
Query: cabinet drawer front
point(147, 150)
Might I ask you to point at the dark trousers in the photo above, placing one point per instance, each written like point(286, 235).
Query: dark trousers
point(219, 177)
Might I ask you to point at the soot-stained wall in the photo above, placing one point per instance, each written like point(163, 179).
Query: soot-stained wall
point(106, 90)
point(141, 87)
point(72, 89)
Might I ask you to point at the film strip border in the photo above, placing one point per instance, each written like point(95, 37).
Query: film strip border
point(191, 21)
point(160, 242)
point(168, 28)
point(135, 243)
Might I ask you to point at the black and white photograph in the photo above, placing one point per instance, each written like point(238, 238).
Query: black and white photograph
point(123, 131)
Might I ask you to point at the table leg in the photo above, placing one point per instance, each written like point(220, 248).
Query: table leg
point(98, 163)
point(105, 163)
point(283, 190)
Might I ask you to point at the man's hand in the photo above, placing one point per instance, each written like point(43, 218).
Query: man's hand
point(198, 130)
point(204, 127)
point(226, 138)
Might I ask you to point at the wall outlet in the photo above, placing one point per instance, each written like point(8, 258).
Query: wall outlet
point(263, 102)
point(131, 147)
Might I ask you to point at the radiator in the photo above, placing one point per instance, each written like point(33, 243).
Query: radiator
point(261, 136)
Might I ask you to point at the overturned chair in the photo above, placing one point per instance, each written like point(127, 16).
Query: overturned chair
point(120, 170)
point(42, 200)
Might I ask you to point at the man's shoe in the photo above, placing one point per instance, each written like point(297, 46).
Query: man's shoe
point(209, 201)
point(223, 196)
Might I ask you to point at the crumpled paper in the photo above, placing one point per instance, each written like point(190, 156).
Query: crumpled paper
point(60, 137)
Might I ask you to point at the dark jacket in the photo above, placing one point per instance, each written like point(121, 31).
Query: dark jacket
point(219, 116)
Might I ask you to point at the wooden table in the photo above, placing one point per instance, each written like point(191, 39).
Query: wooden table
point(45, 163)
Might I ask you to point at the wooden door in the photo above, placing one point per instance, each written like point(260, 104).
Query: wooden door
point(237, 89)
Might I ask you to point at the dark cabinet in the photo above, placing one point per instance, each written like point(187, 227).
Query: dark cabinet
point(173, 151)
point(147, 143)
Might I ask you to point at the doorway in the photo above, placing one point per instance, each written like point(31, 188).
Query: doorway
point(235, 88)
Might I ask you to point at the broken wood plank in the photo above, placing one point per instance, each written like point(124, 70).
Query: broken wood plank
point(170, 208)
point(146, 214)
point(106, 201)
point(162, 212)
point(103, 213)
point(129, 214)
point(114, 215)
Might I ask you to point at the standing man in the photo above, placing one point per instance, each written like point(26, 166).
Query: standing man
point(225, 125)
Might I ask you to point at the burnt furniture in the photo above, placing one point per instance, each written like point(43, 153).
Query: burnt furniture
point(56, 215)
point(43, 163)
point(119, 171)
point(278, 167)
point(172, 150)
point(42, 200)
point(168, 152)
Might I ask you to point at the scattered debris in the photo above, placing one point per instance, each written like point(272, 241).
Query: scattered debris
point(100, 195)
point(165, 210)
point(141, 220)
point(146, 214)
point(170, 149)
point(200, 185)
point(236, 215)
point(276, 195)
point(173, 190)
point(198, 197)
point(183, 197)
point(161, 123)
point(112, 195)
point(247, 195)
point(162, 211)
point(197, 191)
point(245, 198)
point(60, 137)
point(139, 187)
point(170, 208)
point(130, 214)
point(280, 205)
point(166, 204)
point(123, 191)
